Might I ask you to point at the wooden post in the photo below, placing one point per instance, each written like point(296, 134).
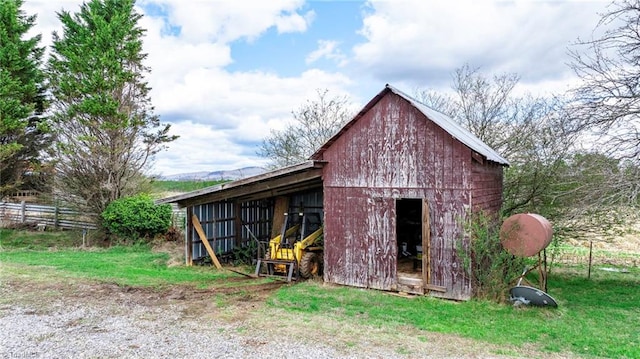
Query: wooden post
point(205, 241)
point(188, 240)
point(426, 244)
point(237, 223)
point(280, 208)
point(590, 257)
point(23, 209)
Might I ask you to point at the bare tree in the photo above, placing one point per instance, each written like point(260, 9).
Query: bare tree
point(533, 133)
point(314, 123)
point(607, 102)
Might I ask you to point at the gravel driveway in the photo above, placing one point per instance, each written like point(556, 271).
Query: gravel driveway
point(80, 320)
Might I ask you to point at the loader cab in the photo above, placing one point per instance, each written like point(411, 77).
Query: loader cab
point(298, 226)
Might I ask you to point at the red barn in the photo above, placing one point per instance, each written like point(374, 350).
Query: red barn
point(394, 186)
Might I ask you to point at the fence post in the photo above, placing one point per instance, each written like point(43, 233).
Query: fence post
point(590, 259)
point(56, 214)
point(23, 209)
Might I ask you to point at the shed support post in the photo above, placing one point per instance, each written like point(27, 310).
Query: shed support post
point(237, 243)
point(188, 238)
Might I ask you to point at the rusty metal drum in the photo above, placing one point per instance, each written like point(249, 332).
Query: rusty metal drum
point(525, 234)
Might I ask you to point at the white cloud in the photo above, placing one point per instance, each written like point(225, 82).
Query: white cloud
point(226, 21)
point(201, 148)
point(326, 49)
point(192, 89)
point(294, 22)
point(429, 39)
point(221, 115)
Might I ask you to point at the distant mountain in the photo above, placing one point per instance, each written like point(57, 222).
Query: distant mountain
point(231, 175)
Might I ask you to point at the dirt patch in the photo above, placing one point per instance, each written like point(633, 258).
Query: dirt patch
point(244, 288)
point(175, 250)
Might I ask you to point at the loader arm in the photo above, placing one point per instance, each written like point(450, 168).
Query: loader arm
point(311, 239)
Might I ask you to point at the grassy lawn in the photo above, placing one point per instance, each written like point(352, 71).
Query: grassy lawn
point(597, 317)
point(130, 266)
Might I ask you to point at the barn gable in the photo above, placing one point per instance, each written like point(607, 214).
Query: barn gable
point(442, 120)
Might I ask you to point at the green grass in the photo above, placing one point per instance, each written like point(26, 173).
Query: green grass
point(131, 266)
point(182, 186)
point(14, 239)
point(597, 317)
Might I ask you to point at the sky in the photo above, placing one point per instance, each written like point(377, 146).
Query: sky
point(224, 73)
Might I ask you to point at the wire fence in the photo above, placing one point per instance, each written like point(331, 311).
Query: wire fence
point(594, 259)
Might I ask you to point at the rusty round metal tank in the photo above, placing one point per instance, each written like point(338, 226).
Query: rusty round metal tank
point(525, 234)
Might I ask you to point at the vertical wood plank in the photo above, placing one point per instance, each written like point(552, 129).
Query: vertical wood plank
point(281, 206)
point(189, 238)
point(237, 224)
point(426, 242)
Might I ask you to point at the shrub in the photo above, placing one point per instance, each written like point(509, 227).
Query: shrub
point(490, 266)
point(245, 254)
point(136, 217)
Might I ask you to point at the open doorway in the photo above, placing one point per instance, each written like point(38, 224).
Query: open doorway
point(409, 237)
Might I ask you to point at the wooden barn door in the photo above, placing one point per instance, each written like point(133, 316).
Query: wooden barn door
point(380, 236)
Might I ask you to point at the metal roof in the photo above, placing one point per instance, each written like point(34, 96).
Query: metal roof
point(442, 120)
point(266, 184)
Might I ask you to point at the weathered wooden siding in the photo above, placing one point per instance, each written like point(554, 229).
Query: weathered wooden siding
point(393, 152)
point(486, 194)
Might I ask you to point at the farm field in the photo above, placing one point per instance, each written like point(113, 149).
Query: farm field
point(170, 188)
point(111, 294)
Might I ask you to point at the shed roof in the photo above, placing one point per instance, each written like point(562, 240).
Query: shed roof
point(442, 120)
point(298, 177)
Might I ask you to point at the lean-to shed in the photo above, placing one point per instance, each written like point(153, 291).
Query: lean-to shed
point(393, 185)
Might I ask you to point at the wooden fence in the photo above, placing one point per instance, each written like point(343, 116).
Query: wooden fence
point(43, 216)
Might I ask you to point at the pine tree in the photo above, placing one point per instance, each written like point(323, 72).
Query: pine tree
point(22, 100)
point(104, 123)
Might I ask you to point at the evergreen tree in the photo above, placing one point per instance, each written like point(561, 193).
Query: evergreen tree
point(22, 100)
point(103, 118)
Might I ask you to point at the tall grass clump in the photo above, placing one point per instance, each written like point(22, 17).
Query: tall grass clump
point(489, 265)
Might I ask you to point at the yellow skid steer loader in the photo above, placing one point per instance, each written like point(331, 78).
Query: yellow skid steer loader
point(296, 251)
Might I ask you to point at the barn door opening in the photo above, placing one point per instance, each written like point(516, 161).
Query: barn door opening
point(409, 235)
